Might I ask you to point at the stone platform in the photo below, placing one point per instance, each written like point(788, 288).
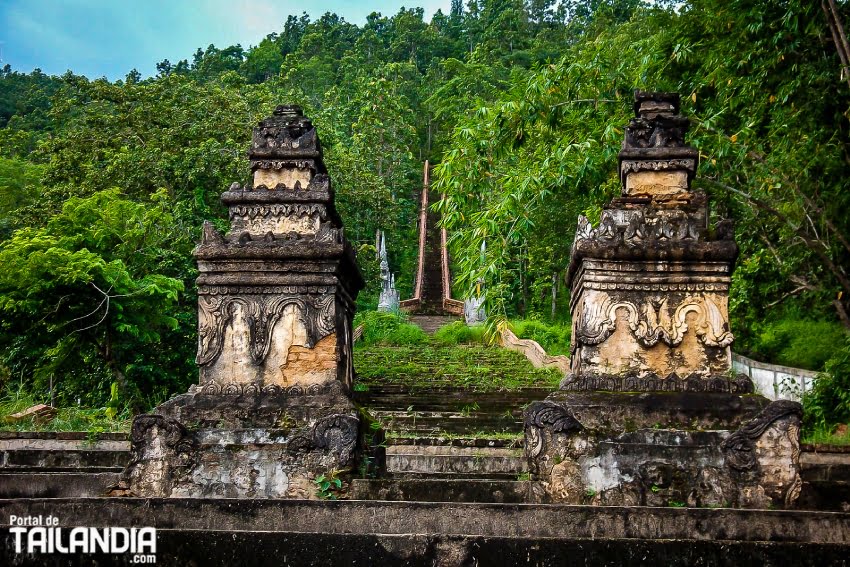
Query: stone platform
point(299, 532)
point(241, 442)
point(665, 448)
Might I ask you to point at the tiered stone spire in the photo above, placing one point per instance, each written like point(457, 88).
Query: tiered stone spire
point(650, 284)
point(651, 412)
point(275, 305)
point(275, 294)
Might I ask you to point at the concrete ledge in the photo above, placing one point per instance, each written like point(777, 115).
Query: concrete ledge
point(450, 460)
point(65, 435)
point(447, 490)
point(56, 485)
point(63, 459)
point(248, 549)
point(449, 519)
point(59, 444)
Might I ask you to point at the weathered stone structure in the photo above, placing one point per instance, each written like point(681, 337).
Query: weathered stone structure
point(650, 284)
point(275, 305)
point(651, 412)
point(474, 310)
point(388, 299)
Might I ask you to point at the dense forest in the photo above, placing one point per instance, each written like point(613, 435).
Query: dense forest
point(520, 104)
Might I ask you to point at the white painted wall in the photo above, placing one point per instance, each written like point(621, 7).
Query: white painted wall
point(773, 381)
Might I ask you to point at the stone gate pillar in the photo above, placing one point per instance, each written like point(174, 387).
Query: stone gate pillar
point(651, 412)
point(275, 305)
point(650, 284)
point(275, 295)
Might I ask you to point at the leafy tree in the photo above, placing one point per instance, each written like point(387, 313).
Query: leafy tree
point(89, 287)
point(263, 61)
point(19, 181)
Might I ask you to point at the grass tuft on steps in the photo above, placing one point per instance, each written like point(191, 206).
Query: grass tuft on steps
point(432, 364)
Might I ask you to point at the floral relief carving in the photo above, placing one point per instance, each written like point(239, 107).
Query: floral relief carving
point(260, 313)
point(652, 321)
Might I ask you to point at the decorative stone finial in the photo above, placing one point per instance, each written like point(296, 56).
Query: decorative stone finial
point(655, 162)
point(275, 306)
point(276, 293)
point(389, 298)
point(649, 308)
point(648, 104)
point(285, 150)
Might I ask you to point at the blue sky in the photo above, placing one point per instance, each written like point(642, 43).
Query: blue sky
point(100, 38)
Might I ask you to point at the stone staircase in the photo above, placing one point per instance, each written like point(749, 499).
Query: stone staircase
point(432, 280)
point(460, 367)
point(60, 464)
point(449, 445)
point(430, 323)
point(453, 421)
point(826, 478)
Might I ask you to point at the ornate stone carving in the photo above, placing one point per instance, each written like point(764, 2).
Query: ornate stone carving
point(260, 313)
point(282, 163)
point(162, 450)
point(171, 431)
point(640, 228)
point(549, 416)
point(740, 446)
point(284, 230)
point(338, 434)
point(275, 302)
point(652, 262)
point(279, 210)
point(651, 412)
point(259, 290)
point(739, 384)
point(657, 287)
point(332, 388)
point(285, 136)
point(209, 234)
point(327, 233)
point(652, 321)
point(657, 132)
point(656, 124)
point(658, 165)
point(388, 299)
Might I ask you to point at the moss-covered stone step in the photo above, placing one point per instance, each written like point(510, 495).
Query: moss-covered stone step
point(455, 425)
point(452, 461)
point(472, 366)
point(448, 490)
point(445, 410)
point(77, 484)
point(431, 323)
point(442, 397)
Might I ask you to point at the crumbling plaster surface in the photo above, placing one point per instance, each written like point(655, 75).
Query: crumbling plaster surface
point(286, 176)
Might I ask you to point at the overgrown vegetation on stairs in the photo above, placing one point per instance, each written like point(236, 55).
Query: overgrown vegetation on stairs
point(451, 407)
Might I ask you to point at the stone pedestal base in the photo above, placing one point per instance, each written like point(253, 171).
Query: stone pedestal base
point(242, 442)
point(665, 449)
